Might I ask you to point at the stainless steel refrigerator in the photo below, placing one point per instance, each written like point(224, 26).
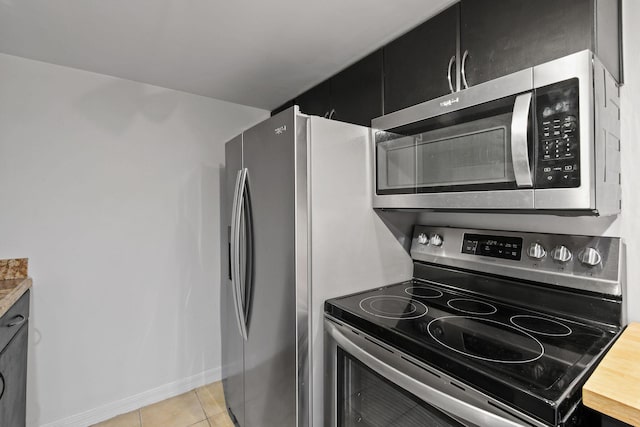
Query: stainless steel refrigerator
point(300, 229)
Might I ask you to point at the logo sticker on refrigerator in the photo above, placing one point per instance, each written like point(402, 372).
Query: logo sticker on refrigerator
point(280, 130)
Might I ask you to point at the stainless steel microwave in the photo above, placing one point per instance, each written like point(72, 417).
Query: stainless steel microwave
point(544, 139)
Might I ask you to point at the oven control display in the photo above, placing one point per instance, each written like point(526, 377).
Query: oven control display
point(493, 246)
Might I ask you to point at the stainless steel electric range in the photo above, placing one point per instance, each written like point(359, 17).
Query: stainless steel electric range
point(495, 329)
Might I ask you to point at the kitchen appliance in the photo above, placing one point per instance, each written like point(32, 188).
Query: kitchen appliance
point(495, 329)
point(298, 194)
point(546, 138)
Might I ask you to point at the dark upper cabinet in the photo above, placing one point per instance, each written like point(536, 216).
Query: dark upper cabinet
point(317, 100)
point(491, 38)
point(504, 36)
point(356, 92)
point(354, 95)
point(416, 63)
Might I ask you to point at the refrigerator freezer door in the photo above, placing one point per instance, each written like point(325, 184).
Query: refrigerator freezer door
point(232, 341)
point(270, 350)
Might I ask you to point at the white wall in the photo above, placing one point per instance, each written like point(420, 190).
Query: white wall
point(627, 225)
point(111, 188)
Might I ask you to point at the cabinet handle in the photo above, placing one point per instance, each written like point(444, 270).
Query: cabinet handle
point(333, 111)
point(4, 386)
point(451, 62)
point(17, 320)
point(463, 72)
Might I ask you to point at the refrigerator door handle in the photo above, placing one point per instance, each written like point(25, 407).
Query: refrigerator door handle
point(246, 284)
point(236, 216)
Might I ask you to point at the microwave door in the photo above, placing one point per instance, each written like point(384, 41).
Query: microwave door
point(477, 158)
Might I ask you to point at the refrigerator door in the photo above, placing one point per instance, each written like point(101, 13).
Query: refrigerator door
point(352, 246)
point(270, 350)
point(232, 341)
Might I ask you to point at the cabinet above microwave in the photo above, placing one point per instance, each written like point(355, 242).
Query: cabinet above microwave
point(542, 139)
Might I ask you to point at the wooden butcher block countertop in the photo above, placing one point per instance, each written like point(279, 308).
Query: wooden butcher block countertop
point(614, 387)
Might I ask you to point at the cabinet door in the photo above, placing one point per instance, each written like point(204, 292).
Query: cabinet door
point(415, 64)
point(504, 36)
point(13, 380)
point(317, 100)
point(356, 92)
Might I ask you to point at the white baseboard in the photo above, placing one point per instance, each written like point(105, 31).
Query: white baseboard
point(137, 401)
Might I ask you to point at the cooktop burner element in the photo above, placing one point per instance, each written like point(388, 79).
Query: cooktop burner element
point(540, 325)
point(393, 307)
point(471, 306)
point(422, 291)
point(485, 339)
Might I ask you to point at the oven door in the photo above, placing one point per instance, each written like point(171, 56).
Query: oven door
point(469, 150)
point(366, 384)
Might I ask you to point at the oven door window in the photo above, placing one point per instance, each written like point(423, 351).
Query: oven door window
point(467, 150)
point(367, 399)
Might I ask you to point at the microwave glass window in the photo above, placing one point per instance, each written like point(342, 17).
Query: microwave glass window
point(470, 158)
point(472, 155)
point(396, 164)
point(367, 399)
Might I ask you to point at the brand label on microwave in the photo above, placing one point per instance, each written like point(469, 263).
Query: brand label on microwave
point(449, 102)
point(280, 130)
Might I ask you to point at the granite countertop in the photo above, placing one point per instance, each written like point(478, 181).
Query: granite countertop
point(14, 282)
point(614, 387)
point(10, 291)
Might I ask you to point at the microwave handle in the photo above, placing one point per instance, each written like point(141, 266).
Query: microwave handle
point(519, 143)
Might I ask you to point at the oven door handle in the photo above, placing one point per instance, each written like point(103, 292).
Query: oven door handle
point(436, 398)
point(519, 141)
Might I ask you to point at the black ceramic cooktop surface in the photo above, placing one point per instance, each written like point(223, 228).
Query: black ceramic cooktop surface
point(530, 360)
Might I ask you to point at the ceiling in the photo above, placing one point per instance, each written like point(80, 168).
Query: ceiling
point(253, 52)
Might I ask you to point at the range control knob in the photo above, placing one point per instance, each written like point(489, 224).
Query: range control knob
point(562, 254)
point(537, 251)
point(590, 257)
point(423, 239)
point(436, 240)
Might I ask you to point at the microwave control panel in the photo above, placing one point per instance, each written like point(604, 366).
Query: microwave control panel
point(558, 148)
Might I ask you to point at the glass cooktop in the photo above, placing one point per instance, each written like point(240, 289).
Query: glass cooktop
point(533, 361)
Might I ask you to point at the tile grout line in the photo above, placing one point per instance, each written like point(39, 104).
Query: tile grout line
point(200, 402)
point(206, 417)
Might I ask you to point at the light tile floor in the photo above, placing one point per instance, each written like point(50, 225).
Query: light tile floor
point(202, 407)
